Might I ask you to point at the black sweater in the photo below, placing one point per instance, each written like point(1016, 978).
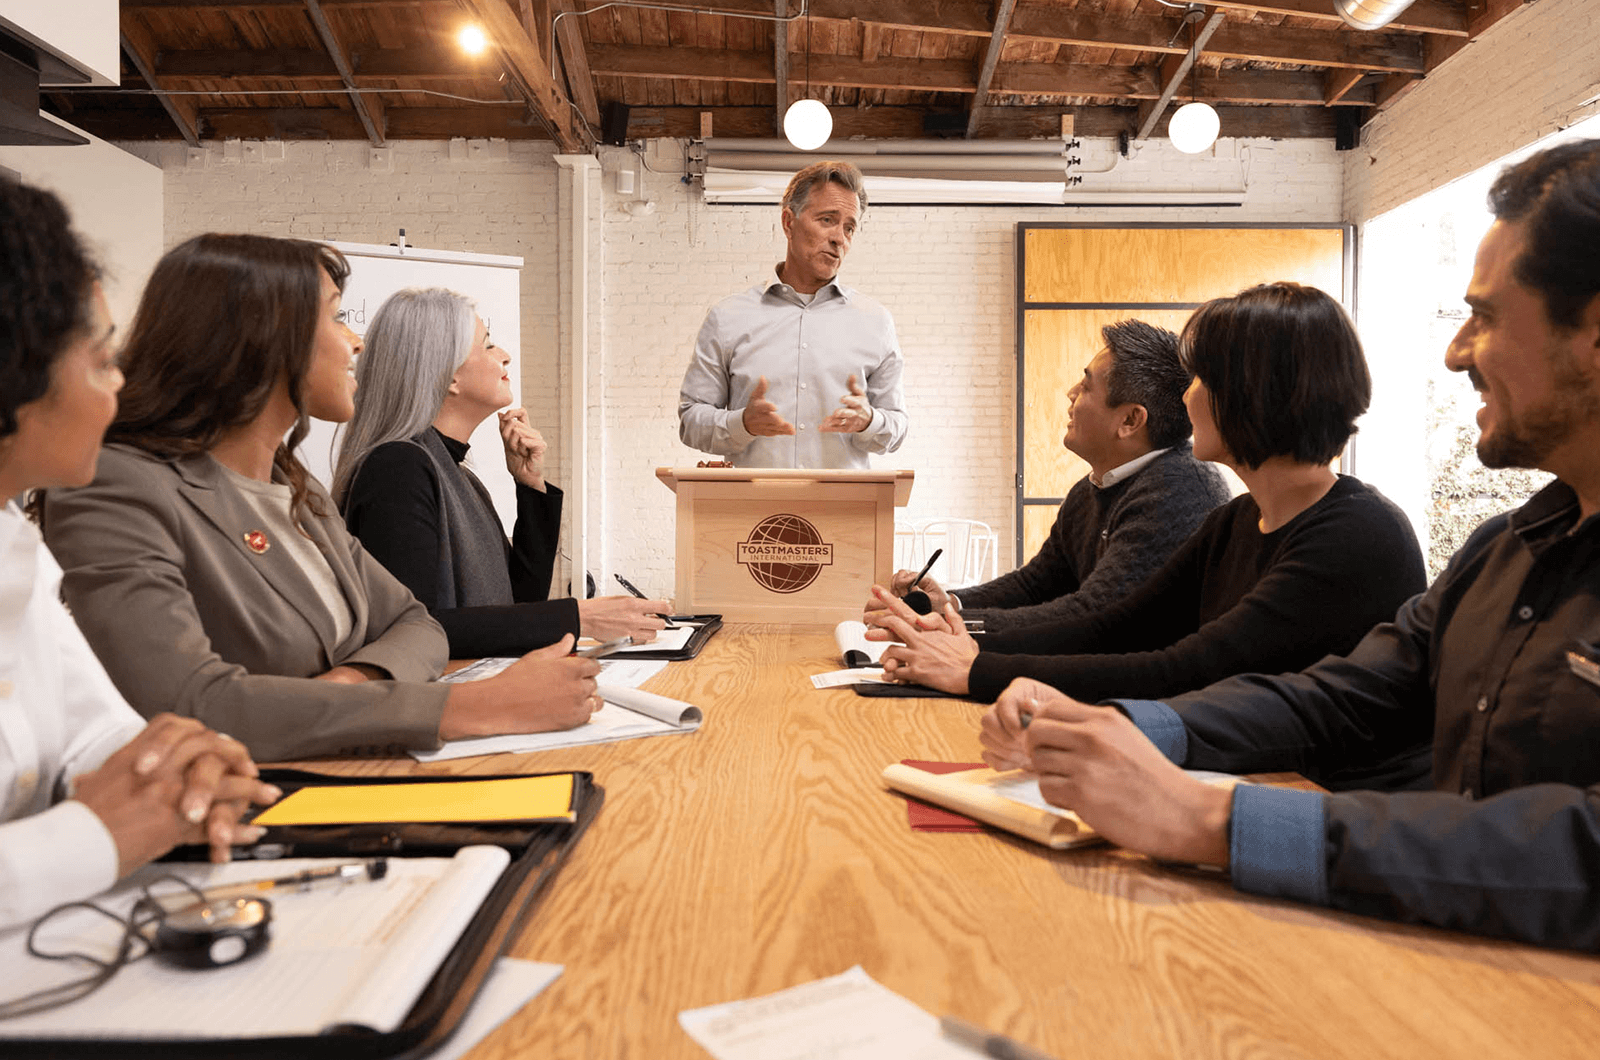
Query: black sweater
point(1232, 600)
point(1105, 542)
point(392, 508)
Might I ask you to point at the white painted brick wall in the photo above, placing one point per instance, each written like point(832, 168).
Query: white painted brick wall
point(1533, 73)
point(948, 276)
point(946, 273)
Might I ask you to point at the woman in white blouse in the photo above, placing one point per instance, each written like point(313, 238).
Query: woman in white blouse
point(88, 790)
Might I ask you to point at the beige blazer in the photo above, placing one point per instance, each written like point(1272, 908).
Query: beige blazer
point(187, 617)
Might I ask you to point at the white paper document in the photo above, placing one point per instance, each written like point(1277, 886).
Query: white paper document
point(628, 713)
point(1023, 787)
point(357, 953)
point(846, 678)
point(614, 672)
point(849, 1016)
point(856, 649)
point(512, 984)
point(666, 639)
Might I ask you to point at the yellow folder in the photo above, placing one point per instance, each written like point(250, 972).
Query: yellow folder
point(544, 798)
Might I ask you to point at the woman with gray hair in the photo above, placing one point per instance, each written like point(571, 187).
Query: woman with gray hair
point(429, 375)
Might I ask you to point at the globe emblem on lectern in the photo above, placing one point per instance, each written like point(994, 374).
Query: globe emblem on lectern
point(785, 553)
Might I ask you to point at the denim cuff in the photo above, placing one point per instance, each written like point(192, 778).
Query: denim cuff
point(1276, 843)
point(1160, 723)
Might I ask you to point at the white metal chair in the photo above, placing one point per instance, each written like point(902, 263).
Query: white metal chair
point(971, 551)
point(907, 536)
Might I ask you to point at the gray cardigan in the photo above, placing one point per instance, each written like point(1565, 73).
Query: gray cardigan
point(187, 618)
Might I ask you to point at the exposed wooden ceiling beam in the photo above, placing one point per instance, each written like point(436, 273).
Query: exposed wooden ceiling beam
point(528, 67)
point(1297, 87)
point(1424, 16)
point(575, 60)
point(1173, 71)
point(1398, 52)
point(407, 64)
point(991, 59)
point(780, 62)
point(368, 108)
point(1338, 83)
point(1483, 14)
point(140, 50)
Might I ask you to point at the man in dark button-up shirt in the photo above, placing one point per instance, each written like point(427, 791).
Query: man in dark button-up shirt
point(1498, 660)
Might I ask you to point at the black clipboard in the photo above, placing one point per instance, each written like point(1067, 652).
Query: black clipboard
point(709, 624)
point(537, 853)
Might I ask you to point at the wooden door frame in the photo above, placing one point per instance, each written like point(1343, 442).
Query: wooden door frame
point(1347, 298)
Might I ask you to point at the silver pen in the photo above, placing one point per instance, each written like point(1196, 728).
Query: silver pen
point(996, 1045)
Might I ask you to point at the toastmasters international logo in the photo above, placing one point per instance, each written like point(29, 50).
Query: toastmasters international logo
point(785, 553)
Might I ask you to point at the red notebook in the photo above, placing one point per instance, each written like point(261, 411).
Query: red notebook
point(926, 817)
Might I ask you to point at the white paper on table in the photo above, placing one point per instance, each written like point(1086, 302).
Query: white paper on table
point(666, 639)
point(614, 673)
point(848, 1016)
point(511, 984)
point(628, 673)
point(628, 713)
point(360, 953)
point(1024, 787)
point(845, 678)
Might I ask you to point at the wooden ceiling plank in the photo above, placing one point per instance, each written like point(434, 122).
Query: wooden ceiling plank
point(1172, 74)
point(1396, 52)
point(141, 51)
point(525, 63)
point(1424, 16)
point(1338, 83)
point(991, 59)
point(575, 60)
point(220, 65)
point(369, 111)
point(780, 61)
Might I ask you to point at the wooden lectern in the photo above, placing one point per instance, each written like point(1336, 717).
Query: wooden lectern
point(781, 545)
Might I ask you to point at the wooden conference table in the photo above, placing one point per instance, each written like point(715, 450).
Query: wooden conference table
point(762, 852)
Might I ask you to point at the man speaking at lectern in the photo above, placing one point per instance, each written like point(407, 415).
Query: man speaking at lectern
point(800, 370)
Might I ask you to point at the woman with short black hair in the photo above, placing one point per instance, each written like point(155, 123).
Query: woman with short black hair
point(1300, 566)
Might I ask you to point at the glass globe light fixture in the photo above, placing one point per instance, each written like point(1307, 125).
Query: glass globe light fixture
point(807, 124)
point(1193, 127)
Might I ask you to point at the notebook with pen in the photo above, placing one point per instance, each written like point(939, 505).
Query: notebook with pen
point(383, 967)
point(675, 646)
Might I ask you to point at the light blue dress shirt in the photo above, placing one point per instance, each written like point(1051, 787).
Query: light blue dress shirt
point(807, 353)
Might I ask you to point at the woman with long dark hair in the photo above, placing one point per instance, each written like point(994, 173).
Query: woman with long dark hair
point(1300, 566)
point(88, 791)
point(429, 375)
point(213, 575)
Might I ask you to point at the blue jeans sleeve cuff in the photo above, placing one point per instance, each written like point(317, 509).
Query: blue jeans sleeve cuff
point(1160, 723)
point(1276, 843)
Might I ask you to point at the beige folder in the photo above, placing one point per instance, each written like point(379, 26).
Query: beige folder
point(975, 792)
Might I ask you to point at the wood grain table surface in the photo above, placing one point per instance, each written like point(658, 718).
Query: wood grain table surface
point(763, 851)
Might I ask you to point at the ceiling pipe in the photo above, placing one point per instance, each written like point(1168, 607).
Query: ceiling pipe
point(1370, 14)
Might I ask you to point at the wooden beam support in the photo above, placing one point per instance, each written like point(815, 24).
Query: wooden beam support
point(1397, 52)
point(1173, 72)
point(1424, 16)
point(530, 70)
point(991, 59)
point(369, 110)
point(1338, 83)
point(575, 61)
point(780, 63)
point(141, 51)
point(407, 64)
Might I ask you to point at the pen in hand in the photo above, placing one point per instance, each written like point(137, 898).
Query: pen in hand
point(634, 590)
point(916, 599)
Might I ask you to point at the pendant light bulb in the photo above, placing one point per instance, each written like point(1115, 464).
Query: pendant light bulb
point(1194, 127)
point(807, 124)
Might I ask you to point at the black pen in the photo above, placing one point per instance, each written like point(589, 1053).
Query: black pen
point(996, 1045)
point(634, 589)
point(926, 567)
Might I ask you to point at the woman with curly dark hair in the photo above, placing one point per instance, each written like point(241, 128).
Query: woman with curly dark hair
point(136, 790)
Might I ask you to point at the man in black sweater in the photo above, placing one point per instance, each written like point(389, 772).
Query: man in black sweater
point(1144, 495)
